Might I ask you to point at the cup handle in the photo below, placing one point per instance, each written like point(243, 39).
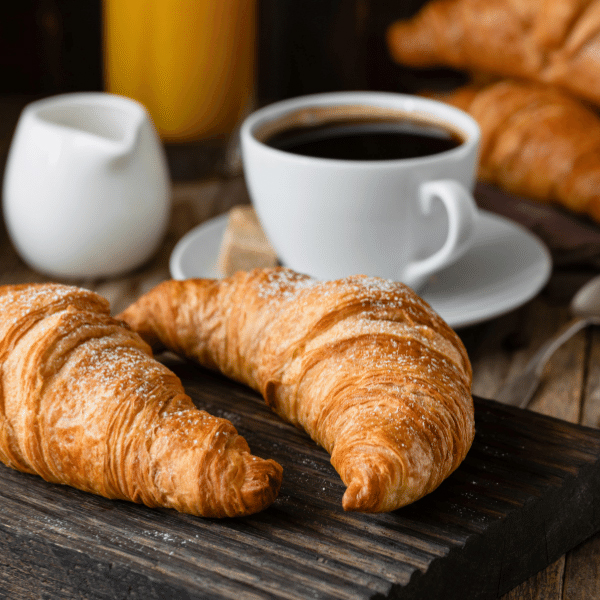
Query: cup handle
point(462, 216)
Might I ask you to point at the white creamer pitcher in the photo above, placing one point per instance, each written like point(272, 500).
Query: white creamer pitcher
point(86, 187)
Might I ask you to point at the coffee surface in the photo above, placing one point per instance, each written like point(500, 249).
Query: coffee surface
point(366, 140)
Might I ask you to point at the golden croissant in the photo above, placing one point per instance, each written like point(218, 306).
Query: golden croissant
point(550, 41)
point(362, 364)
point(536, 141)
point(84, 403)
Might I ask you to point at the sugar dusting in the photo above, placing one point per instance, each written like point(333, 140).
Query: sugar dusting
point(91, 353)
point(16, 302)
point(376, 292)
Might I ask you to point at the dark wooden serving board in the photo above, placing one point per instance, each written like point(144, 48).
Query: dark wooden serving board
point(525, 495)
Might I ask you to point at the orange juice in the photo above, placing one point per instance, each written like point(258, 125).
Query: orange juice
point(190, 62)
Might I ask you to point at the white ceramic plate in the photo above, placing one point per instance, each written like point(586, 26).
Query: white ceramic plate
point(506, 267)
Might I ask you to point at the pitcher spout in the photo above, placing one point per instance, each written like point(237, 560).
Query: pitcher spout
point(109, 123)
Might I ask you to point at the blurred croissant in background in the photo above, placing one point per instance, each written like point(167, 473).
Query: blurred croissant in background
point(549, 41)
point(540, 128)
point(536, 141)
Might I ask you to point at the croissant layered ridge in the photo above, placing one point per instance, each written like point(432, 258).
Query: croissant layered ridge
point(84, 403)
point(362, 364)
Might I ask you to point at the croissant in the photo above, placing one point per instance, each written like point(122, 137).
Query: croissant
point(536, 141)
point(549, 41)
point(362, 364)
point(84, 403)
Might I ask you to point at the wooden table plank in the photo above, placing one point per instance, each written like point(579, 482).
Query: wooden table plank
point(582, 574)
point(590, 411)
point(545, 585)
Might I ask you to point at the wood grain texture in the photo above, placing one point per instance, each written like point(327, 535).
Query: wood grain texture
point(493, 523)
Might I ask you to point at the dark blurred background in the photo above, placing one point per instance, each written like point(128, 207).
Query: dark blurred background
point(53, 46)
point(50, 46)
point(328, 45)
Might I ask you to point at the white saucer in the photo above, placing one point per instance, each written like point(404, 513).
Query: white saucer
point(506, 267)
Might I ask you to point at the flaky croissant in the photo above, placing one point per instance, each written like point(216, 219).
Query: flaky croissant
point(536, 141)
point(83, 403)
point(550, 41)
point(364, 365)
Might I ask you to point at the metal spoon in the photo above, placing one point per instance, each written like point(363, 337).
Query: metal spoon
point(585, 307)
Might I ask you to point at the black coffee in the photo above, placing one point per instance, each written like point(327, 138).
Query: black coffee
point(366, 140)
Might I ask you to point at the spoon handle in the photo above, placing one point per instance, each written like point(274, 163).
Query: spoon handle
point(520, 391)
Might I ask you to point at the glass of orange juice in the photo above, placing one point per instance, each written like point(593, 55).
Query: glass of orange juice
point(189, 62)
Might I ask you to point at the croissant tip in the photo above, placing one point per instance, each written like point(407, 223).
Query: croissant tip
point(262, 483)
point(362, 496)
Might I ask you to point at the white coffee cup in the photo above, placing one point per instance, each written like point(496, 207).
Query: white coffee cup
point(402, 219)
point(86, 188)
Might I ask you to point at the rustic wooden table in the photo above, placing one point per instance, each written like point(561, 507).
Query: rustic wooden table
point(498, 348)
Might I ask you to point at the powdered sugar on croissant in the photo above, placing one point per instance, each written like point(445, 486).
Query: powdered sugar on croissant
point(362, 364)
point(84, 403)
